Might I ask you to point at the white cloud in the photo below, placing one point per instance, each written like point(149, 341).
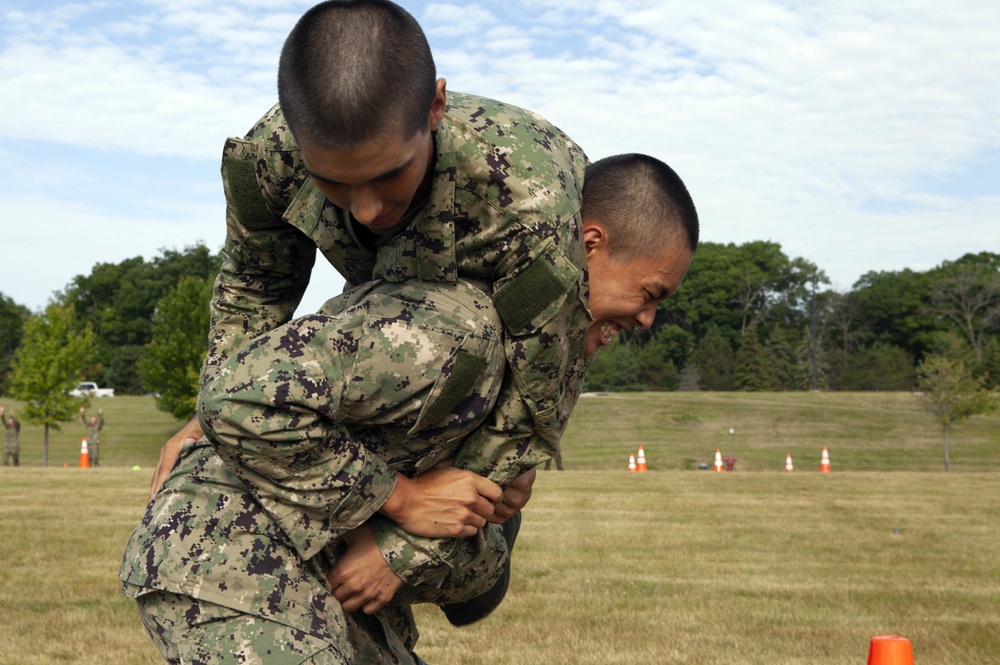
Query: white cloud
point(789, 121)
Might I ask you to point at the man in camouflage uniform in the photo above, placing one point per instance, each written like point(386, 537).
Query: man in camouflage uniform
point(94, 426)
point(479, 189)
point(11, 446)
point(473, 188)
point(317, 416)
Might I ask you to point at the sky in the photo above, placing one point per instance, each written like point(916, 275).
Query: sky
point(860, 136)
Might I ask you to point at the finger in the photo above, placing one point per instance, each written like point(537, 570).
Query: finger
point(489, 489)
point(483, 508)
point(346, 593)
point(501, 514)
point(373, 606)
point(352, 603)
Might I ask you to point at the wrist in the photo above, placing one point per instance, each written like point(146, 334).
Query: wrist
point(396, 503)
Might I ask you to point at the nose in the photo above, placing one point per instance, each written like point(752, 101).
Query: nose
point(645, 318)
point(365, 204)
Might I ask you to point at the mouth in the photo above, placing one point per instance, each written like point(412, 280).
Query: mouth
point(608, 330)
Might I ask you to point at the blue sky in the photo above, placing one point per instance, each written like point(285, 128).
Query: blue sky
point(861, 136)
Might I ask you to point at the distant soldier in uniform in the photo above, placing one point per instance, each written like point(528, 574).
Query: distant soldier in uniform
point(11, 445)
point(94, 425)
point(325, 419)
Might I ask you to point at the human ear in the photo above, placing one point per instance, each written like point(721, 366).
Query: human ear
point(439, 105)
point(594, 236)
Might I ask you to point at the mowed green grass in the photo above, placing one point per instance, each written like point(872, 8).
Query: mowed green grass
point(671, 566)
point(679, 431)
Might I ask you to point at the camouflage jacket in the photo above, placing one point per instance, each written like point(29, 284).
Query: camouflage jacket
point(93, 430)
point(504, 209)
point(316, 418)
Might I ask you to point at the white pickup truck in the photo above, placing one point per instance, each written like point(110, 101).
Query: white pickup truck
point(90, 389)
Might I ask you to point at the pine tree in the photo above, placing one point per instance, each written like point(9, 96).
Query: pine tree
point(752, 370)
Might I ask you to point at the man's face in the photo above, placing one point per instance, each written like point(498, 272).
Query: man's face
point(378, 181)
point(624, 292)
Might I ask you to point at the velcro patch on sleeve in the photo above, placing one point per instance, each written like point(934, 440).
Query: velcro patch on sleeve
point(244, 192)
point(465, 374)
point(526, 296)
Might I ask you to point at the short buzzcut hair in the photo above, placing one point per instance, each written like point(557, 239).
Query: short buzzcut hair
point(351, 70)
point(642, 201)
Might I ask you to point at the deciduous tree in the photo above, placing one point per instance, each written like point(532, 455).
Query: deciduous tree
point(951, 394)
point(54, 351)
point(178, 347)
point(968, 294)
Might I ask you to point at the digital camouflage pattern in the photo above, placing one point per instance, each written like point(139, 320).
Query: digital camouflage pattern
point(504, 209)
point(316, 418)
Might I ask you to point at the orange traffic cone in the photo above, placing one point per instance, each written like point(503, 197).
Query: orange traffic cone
point(824, 462)
point(788, 463)
point(640, 464)
point(718, 461)
point(84, 455)
point(890, 650)
point(631, 462)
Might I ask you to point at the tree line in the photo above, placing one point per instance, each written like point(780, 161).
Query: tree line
point(748, 317)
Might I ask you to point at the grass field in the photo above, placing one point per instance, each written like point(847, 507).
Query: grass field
point(672, 566)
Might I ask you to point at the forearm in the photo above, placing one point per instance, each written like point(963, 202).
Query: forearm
point(433, 568)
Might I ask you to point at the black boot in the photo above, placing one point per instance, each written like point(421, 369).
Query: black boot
point(462, 614)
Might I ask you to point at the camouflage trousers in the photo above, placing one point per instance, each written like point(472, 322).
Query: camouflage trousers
point(188, 631)
point(11, 453)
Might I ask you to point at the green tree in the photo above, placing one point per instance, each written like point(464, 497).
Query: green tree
point(12, 318)
point(989, 368)
point(951, 394)
point(895, 307)
point(715, 361)
point(120, 300)
point(967, 293)
point(614, 369)
point(753, 372)
point(660, 358)
point(879, 367)
point(733, 287)
point(53, 354)
point(179, 343)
